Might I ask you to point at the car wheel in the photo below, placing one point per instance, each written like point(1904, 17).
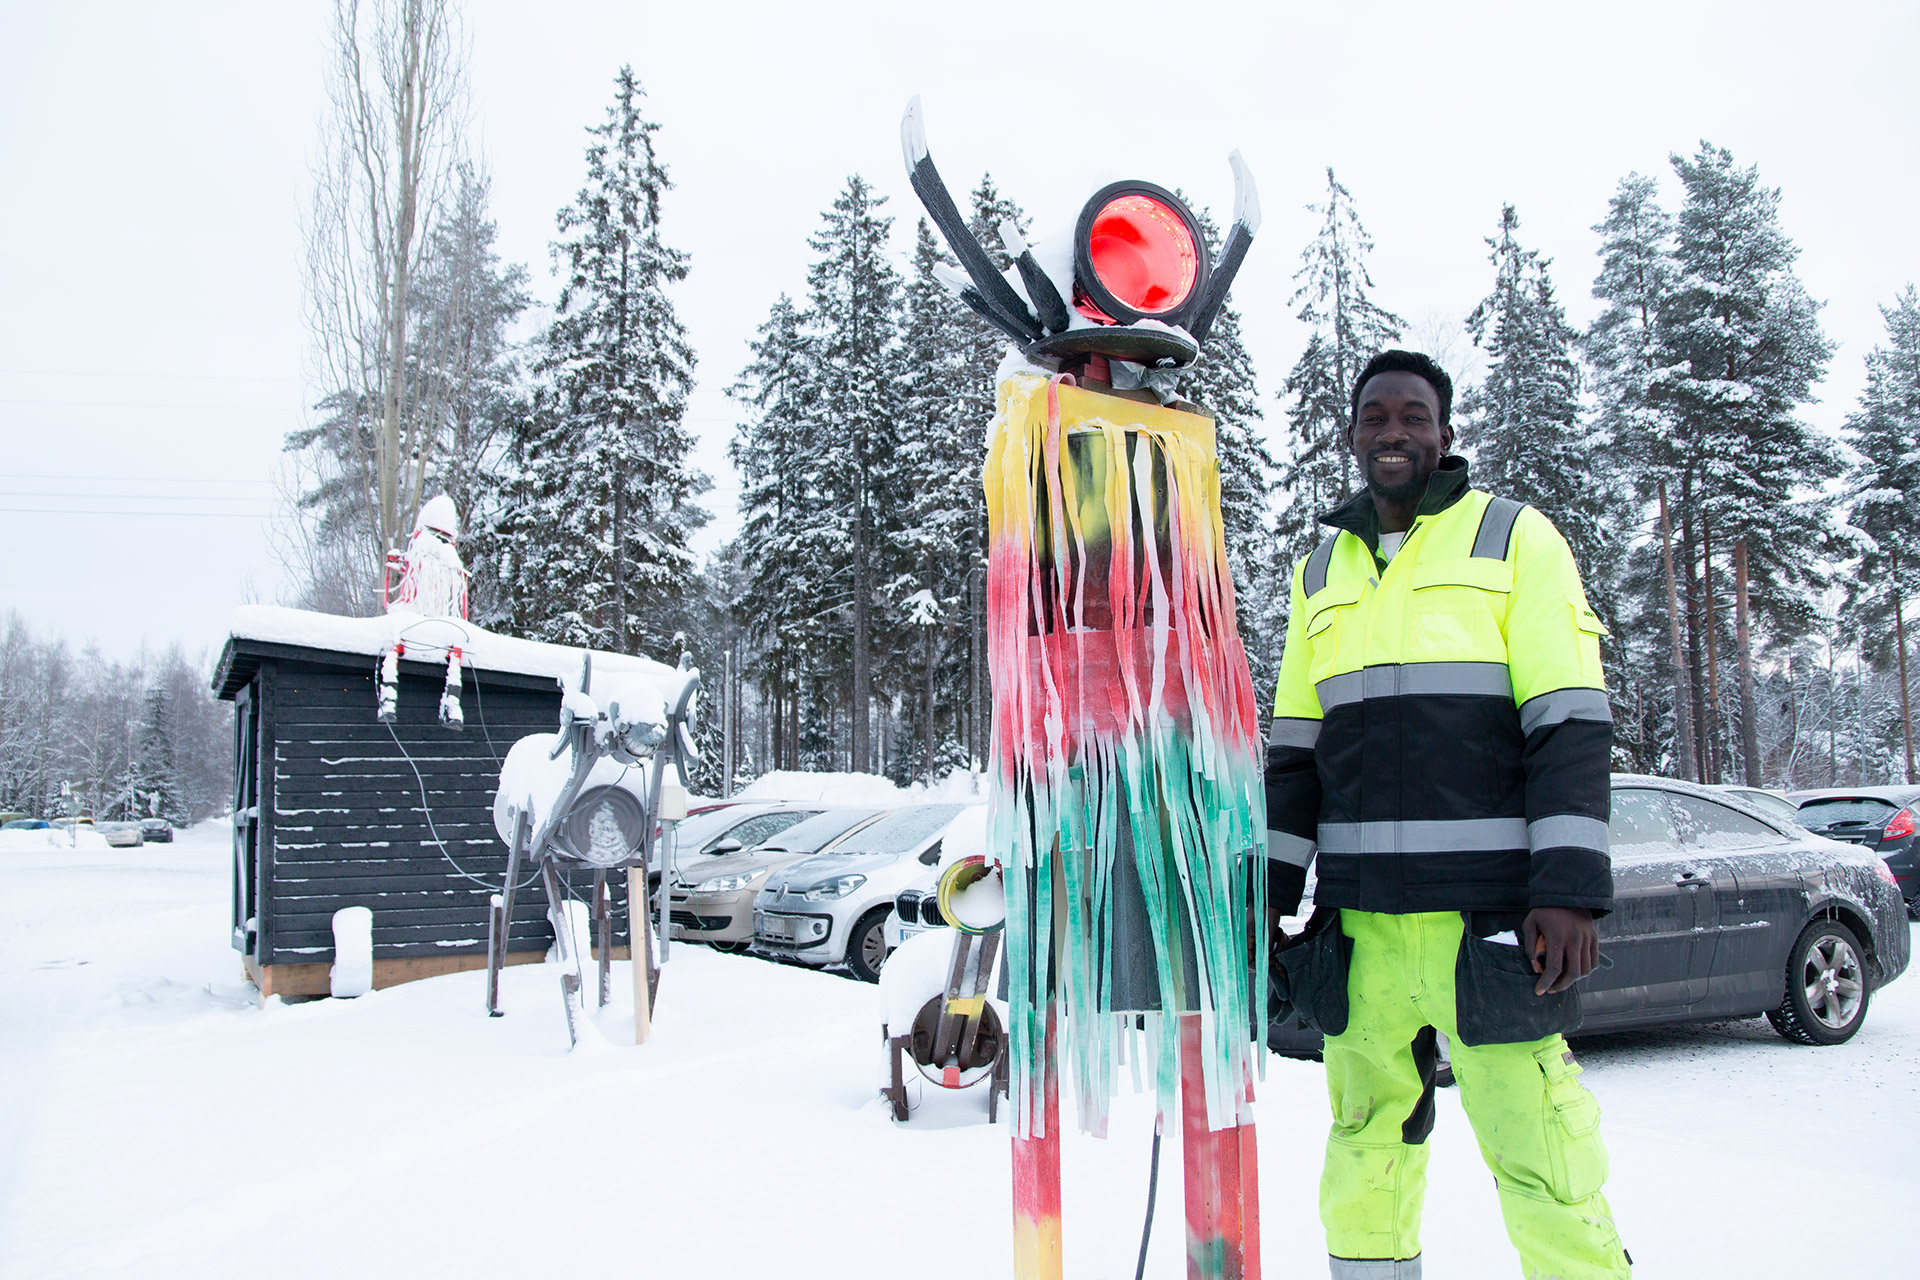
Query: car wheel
point(867, 945)
point(1913, 909)
point(1826, 990)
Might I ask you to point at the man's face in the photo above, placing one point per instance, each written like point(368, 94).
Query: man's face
point(1397, 437)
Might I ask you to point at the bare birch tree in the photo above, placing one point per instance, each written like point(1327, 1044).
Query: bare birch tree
point(390, 151)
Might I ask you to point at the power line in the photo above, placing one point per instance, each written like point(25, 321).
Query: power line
point(143, 479)
point(139, 404)
point(179, 377)
point(141, 497)
point(113, 511)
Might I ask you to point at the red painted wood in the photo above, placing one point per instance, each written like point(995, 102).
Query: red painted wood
point(1036, 1175)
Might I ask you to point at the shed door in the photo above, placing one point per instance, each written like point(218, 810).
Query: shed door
point(246, 818)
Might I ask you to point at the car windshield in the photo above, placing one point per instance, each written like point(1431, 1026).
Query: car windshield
point(901, 831)
point(809, 836)
point(1852, 811)
point(696, 830)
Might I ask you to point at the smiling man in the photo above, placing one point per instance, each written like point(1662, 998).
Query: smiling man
point(1440, 745)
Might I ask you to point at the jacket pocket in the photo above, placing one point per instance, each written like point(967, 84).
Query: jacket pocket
point(1315, 972)
point(1493, 999)
point(1588, 624)
point(1458, 610)
point(1324, 609)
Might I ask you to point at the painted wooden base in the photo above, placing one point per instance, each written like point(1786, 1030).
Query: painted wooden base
point(313, 980)
point(1036, 1177)
point(1221, 1176)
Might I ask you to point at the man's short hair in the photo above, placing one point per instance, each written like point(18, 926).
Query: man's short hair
point(1414, 362)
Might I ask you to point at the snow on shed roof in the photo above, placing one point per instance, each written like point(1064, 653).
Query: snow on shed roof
point(254, 625)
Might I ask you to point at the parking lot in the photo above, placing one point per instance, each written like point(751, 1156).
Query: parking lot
point(160, 1123)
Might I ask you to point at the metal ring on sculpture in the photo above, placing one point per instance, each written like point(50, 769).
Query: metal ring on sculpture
point(958, 878)
point(602, 828)
point(1138, 254)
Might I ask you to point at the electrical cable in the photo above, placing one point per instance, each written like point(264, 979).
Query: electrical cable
point(426, 809)
point(1153, 1185)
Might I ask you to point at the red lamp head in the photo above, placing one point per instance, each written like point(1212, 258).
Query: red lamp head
point(1138, 255)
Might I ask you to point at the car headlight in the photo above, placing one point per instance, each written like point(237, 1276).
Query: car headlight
point(838, 887)
point(726, 884)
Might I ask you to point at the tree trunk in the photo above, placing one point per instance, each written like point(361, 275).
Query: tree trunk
point(858, 714)
point(1900, 641)
point(1715, 753)
point(1696, 670)
point(1682, 693)
point(620, 555)
point(1749, 731)
point(926, 714)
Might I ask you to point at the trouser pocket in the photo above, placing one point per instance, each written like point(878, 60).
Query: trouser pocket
point(1314, 972)
point(1577, 1159)
point(1494, 1000)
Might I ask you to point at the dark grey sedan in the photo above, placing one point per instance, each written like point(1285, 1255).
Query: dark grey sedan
point(1721, 911)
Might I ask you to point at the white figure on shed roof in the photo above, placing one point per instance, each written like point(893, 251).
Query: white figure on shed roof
point(433, 582)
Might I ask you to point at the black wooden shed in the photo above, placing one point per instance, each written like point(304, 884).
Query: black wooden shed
point(333, 808)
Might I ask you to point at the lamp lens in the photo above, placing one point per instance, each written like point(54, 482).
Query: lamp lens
point(1144, 253)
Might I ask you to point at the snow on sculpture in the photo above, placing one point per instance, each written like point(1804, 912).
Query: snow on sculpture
point(1126, 810)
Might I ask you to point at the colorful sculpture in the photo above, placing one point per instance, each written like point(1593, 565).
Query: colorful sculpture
point(1126, 805)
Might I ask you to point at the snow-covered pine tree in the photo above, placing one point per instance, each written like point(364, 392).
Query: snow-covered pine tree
point(784, 588)
point(853, 316)
point(465, 299)
point(156, 784)
point(609, 497)
point(1522, 419)
point(1885, 431)
point(939, 449)
point(1739, 350)
point(1642, 454)
point(1348, 329)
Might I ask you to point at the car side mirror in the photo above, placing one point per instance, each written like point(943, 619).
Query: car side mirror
point(931, 856)
point(728, 845)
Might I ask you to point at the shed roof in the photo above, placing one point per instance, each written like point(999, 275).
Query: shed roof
point(264, 631)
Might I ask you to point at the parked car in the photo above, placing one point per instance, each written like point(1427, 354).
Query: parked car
point(1879, 818)
point(832, 908)
point(26, 824)
point(122, 835)
point(1723, 911)
point(1772, 803)
point(718, 830)
point(715, 903)
point(156, 830)
point(82, 821)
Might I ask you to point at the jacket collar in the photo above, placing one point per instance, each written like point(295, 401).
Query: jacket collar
point(1446, 486)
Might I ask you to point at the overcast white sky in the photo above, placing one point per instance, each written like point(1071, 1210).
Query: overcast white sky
point(154, 160)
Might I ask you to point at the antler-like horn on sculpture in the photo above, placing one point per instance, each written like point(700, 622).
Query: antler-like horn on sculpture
point(1144, 288)
point(997, 302)
point(1246, 222)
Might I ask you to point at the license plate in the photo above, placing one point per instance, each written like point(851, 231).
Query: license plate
point(777, 928)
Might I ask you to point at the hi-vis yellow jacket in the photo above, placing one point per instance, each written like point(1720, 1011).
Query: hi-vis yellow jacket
point(1441, 735)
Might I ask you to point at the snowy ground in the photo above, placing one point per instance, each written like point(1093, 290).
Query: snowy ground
point(155, 1122)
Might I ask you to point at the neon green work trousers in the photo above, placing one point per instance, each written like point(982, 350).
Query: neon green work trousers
point(1539, 1128)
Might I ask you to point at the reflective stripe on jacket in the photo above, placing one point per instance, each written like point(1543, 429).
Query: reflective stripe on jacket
point(1441, 734)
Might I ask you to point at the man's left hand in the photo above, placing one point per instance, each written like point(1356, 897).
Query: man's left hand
point(1564, 945)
